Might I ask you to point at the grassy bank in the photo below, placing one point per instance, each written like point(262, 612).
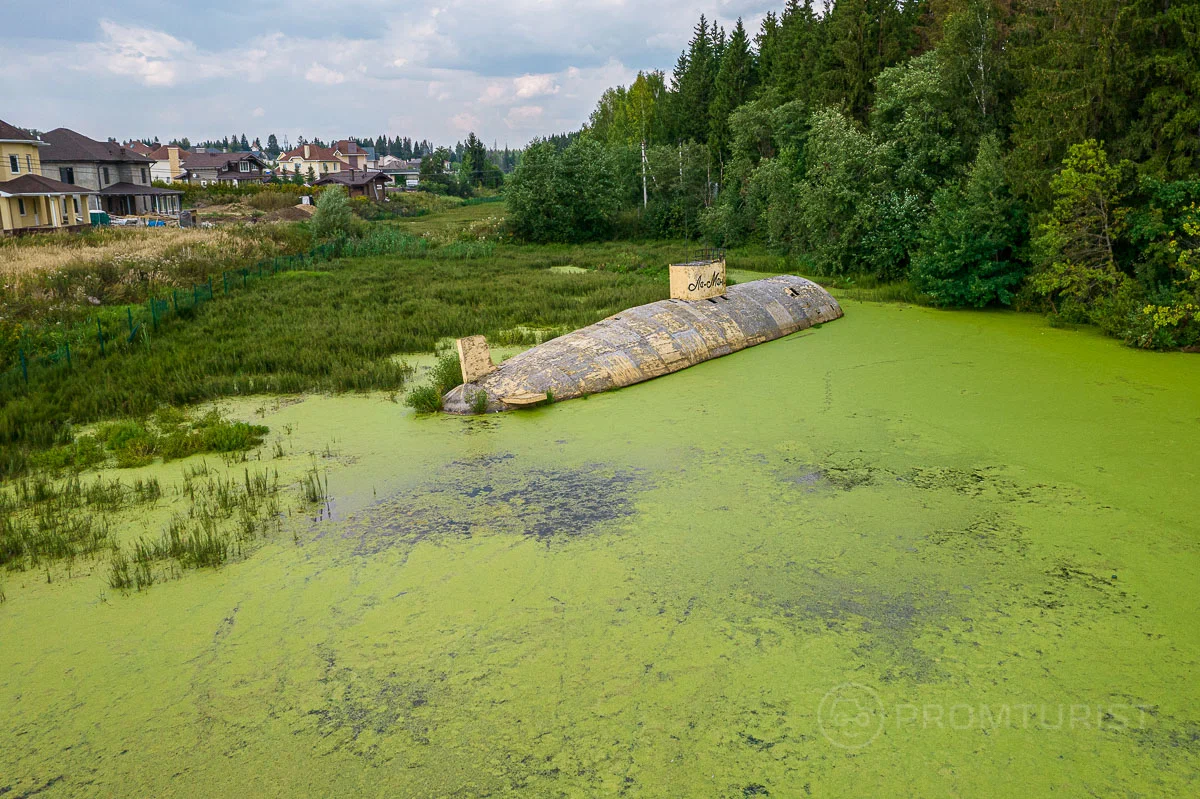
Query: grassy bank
point(50, 283)
point(337, 328)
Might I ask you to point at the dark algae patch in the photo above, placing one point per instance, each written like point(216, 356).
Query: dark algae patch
point(497, 494)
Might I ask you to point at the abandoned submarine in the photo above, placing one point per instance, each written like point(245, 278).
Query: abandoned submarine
point(643, 342)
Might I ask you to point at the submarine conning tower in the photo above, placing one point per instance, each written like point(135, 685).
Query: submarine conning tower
point(647, 341)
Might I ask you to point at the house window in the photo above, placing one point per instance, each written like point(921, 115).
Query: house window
point(21, 206)
point(105, 169)
point(64, 204)
point(243, 166)
point(14, 165)
point(144, 175)
point(75, 202)
point(66, 174)
point(29, 163)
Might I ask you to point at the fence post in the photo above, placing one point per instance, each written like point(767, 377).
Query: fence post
point(153, 313)
point(175, 299)
point(129, 318)
point(210, 294)
point(24, 366)
point(245, 273)
point(225, 280)
point(100, 336)
point(70, 365)
point(195, 296)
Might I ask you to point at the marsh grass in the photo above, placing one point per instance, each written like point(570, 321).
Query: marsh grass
point(43, 520)
point(169, 434)
point(224, 517)
point(312, 490)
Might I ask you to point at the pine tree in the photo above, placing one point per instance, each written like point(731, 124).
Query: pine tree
point(735, 81)
point(864, 37)
point(1165, 38)
point(968, 252)
point(694, 78)
point(1070, 60)
point(797, 52)
point(272, 146)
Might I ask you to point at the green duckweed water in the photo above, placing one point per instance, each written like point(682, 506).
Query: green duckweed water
point(911, 553)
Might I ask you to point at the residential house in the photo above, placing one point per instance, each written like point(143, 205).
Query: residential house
point(344, 154)
point(403, 173)
point(168, 162)
point(118, 177)
point(29, 201)
point(359, 183)
point(235, 168)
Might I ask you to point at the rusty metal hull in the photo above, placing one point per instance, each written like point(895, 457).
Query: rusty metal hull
point(653, 340)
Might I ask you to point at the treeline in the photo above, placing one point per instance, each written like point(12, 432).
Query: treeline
point(1034, 152)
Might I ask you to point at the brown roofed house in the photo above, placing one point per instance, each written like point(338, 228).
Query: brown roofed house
point(29, 201)
point(359, 182)
point(235, 168)
point(119, 178)
point(343, 155)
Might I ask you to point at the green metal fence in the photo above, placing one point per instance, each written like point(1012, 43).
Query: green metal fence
point(158, 308)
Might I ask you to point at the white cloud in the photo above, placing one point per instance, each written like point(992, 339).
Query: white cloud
point(523, 116)
point(528, 86)
point(522, 69)
point(319, 73)
point(148, 55)
point(464, 122)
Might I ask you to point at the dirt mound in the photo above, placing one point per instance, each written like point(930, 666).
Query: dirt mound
point(296, 213)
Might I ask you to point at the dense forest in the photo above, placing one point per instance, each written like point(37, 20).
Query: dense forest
point(1037, 153)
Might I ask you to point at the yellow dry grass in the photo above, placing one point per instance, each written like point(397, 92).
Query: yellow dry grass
point(21, 259)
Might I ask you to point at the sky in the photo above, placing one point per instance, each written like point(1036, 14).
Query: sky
point(509, 71)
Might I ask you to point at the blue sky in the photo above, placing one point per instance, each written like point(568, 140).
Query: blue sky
point(436, 70)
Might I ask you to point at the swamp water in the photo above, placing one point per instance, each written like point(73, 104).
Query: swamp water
point(911, 553)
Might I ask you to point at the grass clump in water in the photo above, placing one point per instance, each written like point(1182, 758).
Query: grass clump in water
point(445, 375)
point(170, 434)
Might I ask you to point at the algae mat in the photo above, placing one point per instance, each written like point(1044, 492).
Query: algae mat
point(915, 553)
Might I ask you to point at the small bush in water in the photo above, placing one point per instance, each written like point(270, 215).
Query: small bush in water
point(446, 373)
point(424, 399)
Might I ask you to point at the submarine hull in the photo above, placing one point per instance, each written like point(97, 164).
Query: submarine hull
point(650, 341)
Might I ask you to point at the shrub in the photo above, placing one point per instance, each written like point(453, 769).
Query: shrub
point(424, 399)
point(333, 218)
point(447, 372)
